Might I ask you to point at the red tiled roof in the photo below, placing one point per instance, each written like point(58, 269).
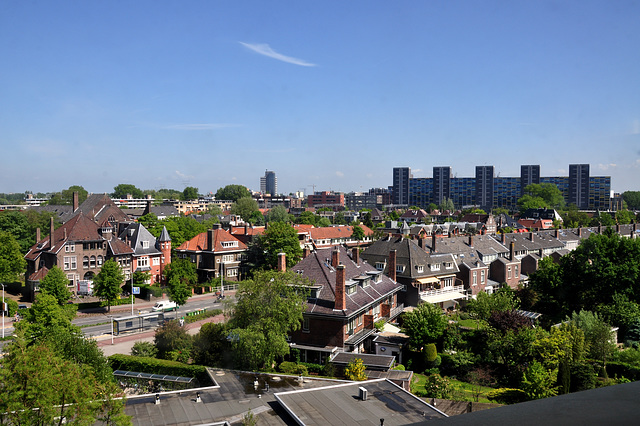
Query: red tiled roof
point(39, 274)
point(200, 242)
point(334, 232)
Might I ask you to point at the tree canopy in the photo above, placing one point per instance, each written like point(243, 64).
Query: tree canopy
point(632, 198)
point(124, 189)
point(65, 197)
point(108, 282)
point(181, 276)
point(277, 214)
point(269, 307)
point(12, 264)
point(232, 192)
point(190, 193)
point(425, 324)
point(280, 237)
point(541, 195)
point(55, 283)
point(245, 207)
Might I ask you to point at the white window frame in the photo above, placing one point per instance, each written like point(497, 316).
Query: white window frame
point(155, 261)
point(143, 261)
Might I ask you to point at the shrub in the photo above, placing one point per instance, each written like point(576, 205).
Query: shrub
point(399, 367)
point(583, 377)
point(430, 352)
point(437, 386)
point(144, 349)
point(313, 368)
point(288, 367)
point(507, 396)
point(355, 370)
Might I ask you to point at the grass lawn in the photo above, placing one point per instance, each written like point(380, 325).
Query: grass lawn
point(462, 391)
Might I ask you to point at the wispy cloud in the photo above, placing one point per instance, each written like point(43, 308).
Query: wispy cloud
point(266, 50)
point(199, 126)
point(183, 175)
point(605, 167)
point(339, 174)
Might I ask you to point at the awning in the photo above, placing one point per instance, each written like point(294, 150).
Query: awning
point(428, 280)
point(443, 297)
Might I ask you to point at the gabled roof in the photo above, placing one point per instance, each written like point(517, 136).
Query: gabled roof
point(200, 242)
point(99, 207)
point(410, 255)
point(317, 267)
point(39, 274)
point(466, 248)
point(77, 229)
point(336, 232)
point(118, 247)
point(139, 239)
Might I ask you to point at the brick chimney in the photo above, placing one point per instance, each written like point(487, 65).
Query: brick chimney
point(504, 238)
point(335, 258)
point(433, 243)
point(392, 265)
point(470, 240)
point(355, 255)
point(580, 232)
point(210, 239)
point(557, 233)
point(531, 236)
point(282, 262)
point(341, 300)
point(38, 235)
point(51, 230)
point(422, 243)
point(305, 252)
point(76, 201)
point(512, 251)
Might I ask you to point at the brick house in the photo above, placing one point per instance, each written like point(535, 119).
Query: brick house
point(215, 252)
point(347, 297)
point(149, 254)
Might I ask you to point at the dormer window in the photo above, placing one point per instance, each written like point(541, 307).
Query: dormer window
point(420, 268)
point(448, 265)
point(399, 269)
point(227, 244)
point(145, 244)
point(380, 266)
point(375, 276)
point(434, 266)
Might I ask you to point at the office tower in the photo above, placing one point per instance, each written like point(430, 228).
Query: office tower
point(269, 183)
point(579, 185)
point(401, 176)
point(484, 187)
point(528, 174)
point(441, 184)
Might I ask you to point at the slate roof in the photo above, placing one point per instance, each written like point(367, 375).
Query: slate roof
point(136, 234)
point(409, 255)
point(482, 246)
point(100, 207)
point(77, 229)
point(199, 242)
point(523, 243)
point(317, 267)
point(118, 247)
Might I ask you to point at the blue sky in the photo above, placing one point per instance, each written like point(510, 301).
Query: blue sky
point(168, 94)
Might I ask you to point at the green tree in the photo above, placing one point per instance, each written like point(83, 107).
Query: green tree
point(65, 197)
point(55, 283)
point(632, 198)
point(277, 214)
point(268, 309)
point(624, 217)
point(538, 382)
point(108, 282)
point(280, 237)
point(603, 219)
point(574, 218)
point(190, 193)
point(232, 192)
point(446, 205)
point(306, 218)
point(12, 264)
point(210, 344)
point(357, 233)
point(339, 219)
point(597, 334)
point(181, 277)
point(16, 224)
point(45, 315)
point(485, 304)
point(144, 349)
point(541, 195)
point(355, 370)
point(124, 189)
point(322, 222)
point(173, 342)
point(425, 324)
point(245, 207)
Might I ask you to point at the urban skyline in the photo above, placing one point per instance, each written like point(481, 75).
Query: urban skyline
point(168, 95)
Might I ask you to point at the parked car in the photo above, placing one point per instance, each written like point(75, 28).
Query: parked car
point(165, 306)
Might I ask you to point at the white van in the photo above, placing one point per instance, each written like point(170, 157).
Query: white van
point(164, 306)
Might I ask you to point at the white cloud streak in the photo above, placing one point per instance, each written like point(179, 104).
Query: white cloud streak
point(266, 50)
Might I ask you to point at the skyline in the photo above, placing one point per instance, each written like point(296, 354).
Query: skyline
point(205, 94)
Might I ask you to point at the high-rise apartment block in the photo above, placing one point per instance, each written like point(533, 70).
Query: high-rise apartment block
point(269, 183)
point(400, 189)
point(489, 191)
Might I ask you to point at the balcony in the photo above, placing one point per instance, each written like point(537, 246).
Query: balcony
point(443, 294)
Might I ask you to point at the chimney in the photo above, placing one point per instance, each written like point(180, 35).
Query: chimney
point(433, 242)
point(470, 240)
point(37, 235)
point(580, 232)
point(65, 234)
point(541, 253)
point(76, 201)
point(617, 228)
point(422, 243)
point(504, 238)
point(531, 237)
point(305, 252)
point(282, 262)
point(335, 258)
point(355, 255)
point(392, 265)
point(210, 239)
point(51, 230)
point(557, 233)
point(341, 300)
point(512, 251)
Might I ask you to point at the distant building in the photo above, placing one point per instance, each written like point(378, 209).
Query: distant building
point(269, 183)
point(441, 184)
point(529, 174)
point(401, 176)
point(579, 185)
point(326, 199)
point(484, 187)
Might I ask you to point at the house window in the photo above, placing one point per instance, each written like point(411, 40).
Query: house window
point(516, 271)
point(399, 269)
point(85, 262)
point(351, 289)
point(99, 261)
point(482, 277)
point(380, 266)
point(305, 324)
point(68, 260)
point(360, 320)
point(474, 280)
point(448, 265)
point(70, 248)
point(232, 272)
point(420, 268)
point(92, 262)
point(435, 267)
point(193, 259)
point(447, 282)
point(227, 258)
point(143, 261)
point(376, 312)
point(156, 261)
point(70, 278)
point(145, 244)
point(509, 271)
point(351, 326)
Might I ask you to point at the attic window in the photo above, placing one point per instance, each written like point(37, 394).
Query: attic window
point(229, 244)
point(434, 266)
point(145, 244)
point(380, 266)
point(420, 268)
point(399, 269)
point(352, 289)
